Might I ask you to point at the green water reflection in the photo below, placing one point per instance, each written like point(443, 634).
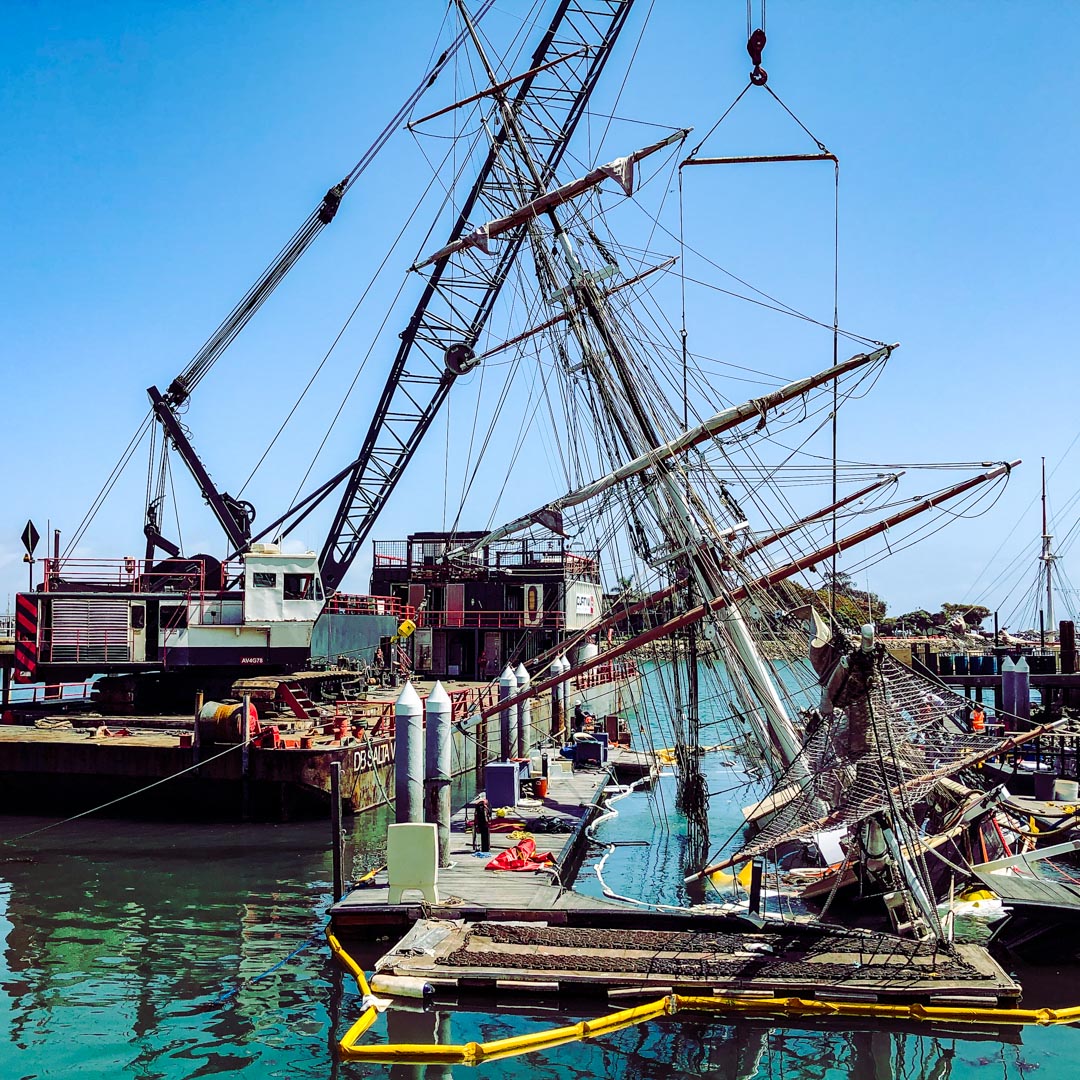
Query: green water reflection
point(172, 951)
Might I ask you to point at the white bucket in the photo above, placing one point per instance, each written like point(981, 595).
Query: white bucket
point(1066, 791)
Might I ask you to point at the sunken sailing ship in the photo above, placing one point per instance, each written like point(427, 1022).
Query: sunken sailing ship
point(640, 407)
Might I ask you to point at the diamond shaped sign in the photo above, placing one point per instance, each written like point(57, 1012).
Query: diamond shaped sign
point(30, 538)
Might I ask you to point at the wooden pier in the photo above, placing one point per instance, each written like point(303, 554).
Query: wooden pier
point(653, 955)
point(468, 891)
point(529, 933)
point(1057, 691)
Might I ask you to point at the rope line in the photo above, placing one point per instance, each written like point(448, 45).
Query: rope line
point(123, 798)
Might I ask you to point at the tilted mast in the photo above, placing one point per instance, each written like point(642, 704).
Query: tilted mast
point(773, 577)
point(720, 422)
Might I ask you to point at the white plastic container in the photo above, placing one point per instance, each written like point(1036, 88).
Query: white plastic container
point(1066, 791)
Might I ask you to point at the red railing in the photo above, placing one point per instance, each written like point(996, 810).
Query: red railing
point(377, 717)
point(354, 604)
point(610, 671)
point(127, 574)
point(483, 619)
point(31, 695)
point(102, 646)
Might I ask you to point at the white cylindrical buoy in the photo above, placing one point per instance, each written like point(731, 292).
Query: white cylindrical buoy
point(524, 713)
point(437, 715)
point(1022, 689)
point(558, 717)
point(507, 689)
point(409, 756)
point(564, 689)
point(401, 986)
point(1008, 687)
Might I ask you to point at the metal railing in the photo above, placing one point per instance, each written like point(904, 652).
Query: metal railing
point(1054, 752)
point(377, 717)
point(483, 619)
point(425, 556)
point(54, 692)
point(355, 604)
point(124, 575)
point(609, 671)
point(7, 626)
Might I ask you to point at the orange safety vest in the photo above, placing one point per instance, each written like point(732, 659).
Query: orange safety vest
point(978, 720)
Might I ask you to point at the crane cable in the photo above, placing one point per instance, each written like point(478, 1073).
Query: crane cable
point(315, 222)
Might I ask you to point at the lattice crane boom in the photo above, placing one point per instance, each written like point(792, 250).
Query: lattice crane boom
point(438, 342)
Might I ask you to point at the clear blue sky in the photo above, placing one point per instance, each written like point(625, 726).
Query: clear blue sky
point(157, 155)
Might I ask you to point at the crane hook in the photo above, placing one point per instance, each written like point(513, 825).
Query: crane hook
point(759, 76)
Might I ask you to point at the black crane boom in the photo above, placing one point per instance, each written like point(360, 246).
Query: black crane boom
point(437, 344)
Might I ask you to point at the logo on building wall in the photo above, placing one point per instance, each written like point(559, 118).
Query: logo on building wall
point(586, 605)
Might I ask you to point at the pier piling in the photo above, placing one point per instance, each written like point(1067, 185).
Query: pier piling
point(409, 756)
point(1008, 686)
point(245, 758)
point(558, 717)
point(335, 829)
point(438, 767)
point(1022, 690)
point(507, 688)
point(524, 713)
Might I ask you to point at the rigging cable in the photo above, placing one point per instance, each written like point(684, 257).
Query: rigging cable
point(435, 170)
point(316, 221)
point(110, 483)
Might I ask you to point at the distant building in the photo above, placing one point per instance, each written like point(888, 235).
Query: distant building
point(505, 602)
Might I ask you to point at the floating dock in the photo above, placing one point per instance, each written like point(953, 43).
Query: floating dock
point(468, 891)
point(529, 933)
point(652, 955)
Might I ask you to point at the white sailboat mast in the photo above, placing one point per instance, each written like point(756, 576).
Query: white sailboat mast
point(1047, 558)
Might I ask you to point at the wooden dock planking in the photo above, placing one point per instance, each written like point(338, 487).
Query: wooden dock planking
point(630, 765)
point(1031, 891)
point(465, 958)
point(467, 889)
point(806, 960)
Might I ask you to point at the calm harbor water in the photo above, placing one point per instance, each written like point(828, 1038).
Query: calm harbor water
point(179, 951)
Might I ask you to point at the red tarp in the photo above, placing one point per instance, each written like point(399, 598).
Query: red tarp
point(522, 856)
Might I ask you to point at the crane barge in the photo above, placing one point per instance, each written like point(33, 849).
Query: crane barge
point(151, 631)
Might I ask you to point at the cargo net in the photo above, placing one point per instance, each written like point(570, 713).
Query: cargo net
point(889, 742)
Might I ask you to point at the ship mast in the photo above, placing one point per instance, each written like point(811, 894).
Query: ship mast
point(1047, 559)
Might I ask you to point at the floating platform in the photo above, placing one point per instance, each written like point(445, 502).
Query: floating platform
point(630, 765)
point(529, 933)
point(468, 891)
point(1044, 915)
point(55, 766)
point(65, 757)
point(691, 954)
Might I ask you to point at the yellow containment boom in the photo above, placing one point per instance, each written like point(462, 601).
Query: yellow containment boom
point(473, 1053)
point(368, 1016)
